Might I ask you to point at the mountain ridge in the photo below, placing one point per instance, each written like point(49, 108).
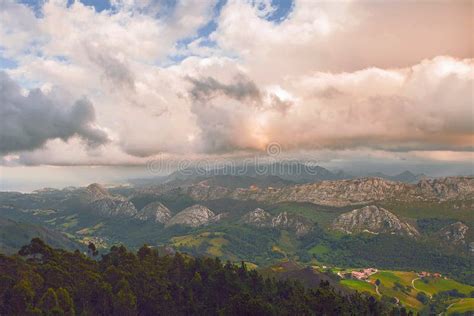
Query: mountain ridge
point(346, 192)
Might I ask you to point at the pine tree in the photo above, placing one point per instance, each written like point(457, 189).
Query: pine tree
point(65, 302)
point(21, 297)
point(92, 250)
point(49, 302)
point(126, 301)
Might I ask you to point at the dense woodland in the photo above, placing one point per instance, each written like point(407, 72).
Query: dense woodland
point(40, 280)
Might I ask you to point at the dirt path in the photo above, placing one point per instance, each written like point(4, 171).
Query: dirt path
point(451, 305)
point(379, 294)
point(413, 286)
point(377, 290)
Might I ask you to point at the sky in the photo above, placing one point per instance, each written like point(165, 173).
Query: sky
point(96, 90)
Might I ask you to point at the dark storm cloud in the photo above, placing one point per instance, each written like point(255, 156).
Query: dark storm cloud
point(27, 122)
point(242, 89)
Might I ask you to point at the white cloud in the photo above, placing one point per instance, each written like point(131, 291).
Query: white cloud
point(332, 76)
point(346, 35)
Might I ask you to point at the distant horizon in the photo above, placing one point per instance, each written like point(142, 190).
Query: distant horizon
point(119, 176)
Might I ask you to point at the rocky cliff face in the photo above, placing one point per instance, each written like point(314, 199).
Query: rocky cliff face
point(113, 207)
point(300, 225)
point(103, 203)
point(454, 233)
point(374, 220)
point(258, 218)
point(345, 192)
point(295, 223)
point(95, 192)
point(154, 211)
point(193, 216)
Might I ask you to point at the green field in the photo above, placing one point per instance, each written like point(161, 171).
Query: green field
point(436, 285)
point(398, 284)
point(462, 306)
point(360, 286)
point(90, 230)
point(215, 246)
point(422, 209)
point(250, 265)
point(70, 222)
point(212, 241)
point(287, 243)
point(319, 249)
point(407, 295)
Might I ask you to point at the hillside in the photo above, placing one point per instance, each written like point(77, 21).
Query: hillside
point(13, 235)
point(418, 293)
point(145, 283)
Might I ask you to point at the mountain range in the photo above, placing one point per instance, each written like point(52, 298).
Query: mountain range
point(266, 219)
point(271, 174)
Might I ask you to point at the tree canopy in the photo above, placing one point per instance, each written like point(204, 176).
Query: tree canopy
point(40, 280)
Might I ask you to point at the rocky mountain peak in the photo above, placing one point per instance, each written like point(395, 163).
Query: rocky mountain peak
point(454, 233)
point(105, 204)
point(284, 220)
point(300, 225)
point(113, 207)
point(258, 217)
point(193, 216)
point(97, 191)
point(155, 211)
point(373, 219)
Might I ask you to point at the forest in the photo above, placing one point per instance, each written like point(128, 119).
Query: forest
point(40, 280)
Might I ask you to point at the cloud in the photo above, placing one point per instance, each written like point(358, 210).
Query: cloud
point(241, 89)
point(113, 68)
point(223, 112)
point(425, 107)
point(331, 76)
point(18, 28)
point(337, 36)
point(28, 122)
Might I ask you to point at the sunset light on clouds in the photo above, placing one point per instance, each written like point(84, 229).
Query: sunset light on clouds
point(119, 83)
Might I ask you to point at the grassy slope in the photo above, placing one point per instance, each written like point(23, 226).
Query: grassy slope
point(387, 287)
point(408, 296)
point(212, 241)
point(14, 235)
point(360, 286)
point(320, 214)
point(436, 285)
point(462, 306)
point(456, 210)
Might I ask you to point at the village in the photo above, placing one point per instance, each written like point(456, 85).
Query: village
point(364, 274)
